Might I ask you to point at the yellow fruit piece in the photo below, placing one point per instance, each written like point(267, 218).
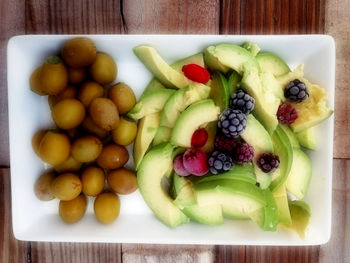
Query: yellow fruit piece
point(313, 110)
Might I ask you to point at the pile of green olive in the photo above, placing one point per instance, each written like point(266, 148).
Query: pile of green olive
point(87, 148)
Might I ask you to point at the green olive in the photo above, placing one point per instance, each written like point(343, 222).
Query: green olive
point(103, 69)
point(68, 93)
point(93, 179)
point(37, 139)
point(66, 186)
point(35, 84)
point(79, 52)
point(89, 91)
point(122, 181)
point(107, 207)
point(76, 75)
point(122, 96)
point(113, 156)
point(54, 148)
point(125, 133)
point(69, 165)
point(86, 148)
point(89, 126)
point(42, 187)
point(104, 113)
point(68, 113)
point(53, 76)
point(73, 210)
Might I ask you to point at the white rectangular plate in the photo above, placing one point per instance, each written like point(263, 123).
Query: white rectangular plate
point(28, 112)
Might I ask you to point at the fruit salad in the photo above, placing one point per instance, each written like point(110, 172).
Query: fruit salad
point(228, 128)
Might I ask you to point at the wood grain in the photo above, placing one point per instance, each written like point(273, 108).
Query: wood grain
point(11, 250)
point(272, 17)
point(337, 249)
point(337, 24)
point(73, 17)
point(75, 252)
point(142, 253)
point(171, 17)
point(12, 23)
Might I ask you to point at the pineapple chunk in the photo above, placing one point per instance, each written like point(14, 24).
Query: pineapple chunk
point(313, 110)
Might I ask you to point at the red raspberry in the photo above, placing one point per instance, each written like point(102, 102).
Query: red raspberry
point(243, 153)
point(287, 114)
point(199, 138)
point(196, 73)
point(224, 144)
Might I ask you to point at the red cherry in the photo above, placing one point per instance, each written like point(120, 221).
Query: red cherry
point(199, 138)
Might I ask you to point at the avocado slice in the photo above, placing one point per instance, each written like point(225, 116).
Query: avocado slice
point(232, 56)
point(167, 75)
point(284, 151)
point(195, 116)
point(146, 130)
point(211, 128)
point(270, 83)
point(219, 91)
point(300, 214)
point(253, 131)
point(213, 62)
point(291, 136)
point(238, 199)
point(307, 138)
point(280, 195)
point(266, 103)
point(186, 200)
point(156, 84)
point(180, 100)
point(271, 212)
point(152, 102)
point(300, 174)
point(176, 104)
point(150, 173)
point(254, 49)
point(153, 85)
point(163, 134)
point(232, 82)
point(240, 172)
point(272, 63)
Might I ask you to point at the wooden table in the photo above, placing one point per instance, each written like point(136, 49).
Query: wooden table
point(187, 17)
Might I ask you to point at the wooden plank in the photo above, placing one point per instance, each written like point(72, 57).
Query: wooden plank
point(337, 249)
point(272, 17)
point(11, 250)
point(12, 23)
point(74, 17)
point(75, 252)
point(171, 17)
point(142, 253)
point(337, 24)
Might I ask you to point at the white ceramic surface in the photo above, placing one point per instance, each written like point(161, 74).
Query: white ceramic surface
point(28, 112)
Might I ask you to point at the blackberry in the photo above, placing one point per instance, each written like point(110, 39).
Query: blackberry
point(242, 101)
point(287, 114)
point(222, 143)
point(219, 162)
point(232, 123)
point(296, 90)
point(268, 162)
point(243, 153)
